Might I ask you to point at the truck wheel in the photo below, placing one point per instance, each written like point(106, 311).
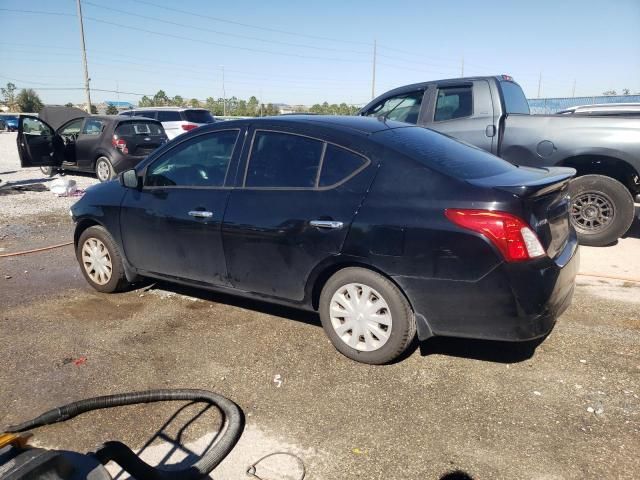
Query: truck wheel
point(366, 317)
point(601, 209)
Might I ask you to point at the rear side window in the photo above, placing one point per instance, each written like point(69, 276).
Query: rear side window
point(198, 116)
point(283, 160)
point(338, 164)
point(453, 102)
point(145, 113)
point(169, 116)
point(444, 154)
point(92, 126)
point(129, 129)
point(514, 99)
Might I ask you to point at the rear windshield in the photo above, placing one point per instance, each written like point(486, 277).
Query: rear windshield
point(198, 116)
point(139, 128)
point(514, 99)
point(444, 154)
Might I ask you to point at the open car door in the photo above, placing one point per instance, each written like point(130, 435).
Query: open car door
point(38, 143)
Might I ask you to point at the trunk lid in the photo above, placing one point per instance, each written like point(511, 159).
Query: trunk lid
point(141, 136)
point(544, 197)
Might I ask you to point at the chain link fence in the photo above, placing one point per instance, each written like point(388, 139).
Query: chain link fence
point(553, 105)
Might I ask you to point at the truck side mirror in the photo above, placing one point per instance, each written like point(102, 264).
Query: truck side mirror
point(130, 179)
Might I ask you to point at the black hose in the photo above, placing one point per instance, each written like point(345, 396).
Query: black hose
point(228, 435)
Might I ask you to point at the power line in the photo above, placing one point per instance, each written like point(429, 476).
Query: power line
point(195, 27)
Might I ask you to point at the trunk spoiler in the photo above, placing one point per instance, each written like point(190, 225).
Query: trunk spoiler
point(527, 182)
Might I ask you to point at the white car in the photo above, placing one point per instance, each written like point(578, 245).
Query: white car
point(175, 120)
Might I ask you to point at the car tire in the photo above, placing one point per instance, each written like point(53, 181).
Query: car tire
point(48, 171)
point(104, 169)
point(601, 209)
point(100, 260)
point(375, 343)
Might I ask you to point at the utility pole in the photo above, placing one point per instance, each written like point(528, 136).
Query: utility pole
point(373, 79)
point(224, 94)
point(462, 67)
point(573, 90)
point(539, 84)
point(84, 60)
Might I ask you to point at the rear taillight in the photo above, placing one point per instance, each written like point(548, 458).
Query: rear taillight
point(510, 234)
point(120, 144)
point(188, 126)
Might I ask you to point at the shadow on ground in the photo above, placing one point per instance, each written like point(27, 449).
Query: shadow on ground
point(486, 350)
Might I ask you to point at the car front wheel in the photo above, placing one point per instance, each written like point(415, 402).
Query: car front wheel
point(100, 260)
point(104, 169)
point(602, 209)
point(366, 316)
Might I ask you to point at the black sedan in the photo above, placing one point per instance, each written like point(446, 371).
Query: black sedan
point(66, 138)
point(385, 229)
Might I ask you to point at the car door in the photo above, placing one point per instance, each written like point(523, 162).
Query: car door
point(171, 226)
point(292, 209)
point(464, 111)
point(38, 144)
point(87, 141)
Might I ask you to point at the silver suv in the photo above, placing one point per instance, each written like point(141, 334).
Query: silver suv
point(175, 120)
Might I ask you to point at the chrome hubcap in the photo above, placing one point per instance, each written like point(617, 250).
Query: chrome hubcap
point(361, 317)
point(96, 261)
point(103, 170)
point(592, 211)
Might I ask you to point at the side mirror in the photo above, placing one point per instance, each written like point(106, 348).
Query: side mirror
point(130, 179)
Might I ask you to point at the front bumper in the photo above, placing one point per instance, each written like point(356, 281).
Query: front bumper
point(513, 302)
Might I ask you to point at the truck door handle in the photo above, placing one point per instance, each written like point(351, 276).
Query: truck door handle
point(490, 131)
point(200, 214)
point(330, 224)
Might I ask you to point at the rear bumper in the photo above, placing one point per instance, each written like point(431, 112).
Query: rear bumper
point(512, 302)
point(123, 162)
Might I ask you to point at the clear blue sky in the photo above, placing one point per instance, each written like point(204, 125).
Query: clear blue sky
point(311, 51)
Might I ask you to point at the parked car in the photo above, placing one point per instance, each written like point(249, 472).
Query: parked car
point(11, 122)
point(175, 120)
point(605, 110)
point(385, 229)
point(66, 138)
point(492, 113)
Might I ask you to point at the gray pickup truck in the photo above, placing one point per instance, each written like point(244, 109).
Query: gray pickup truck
point(492, 113)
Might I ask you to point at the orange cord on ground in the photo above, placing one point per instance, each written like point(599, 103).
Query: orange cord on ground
point(35, 250)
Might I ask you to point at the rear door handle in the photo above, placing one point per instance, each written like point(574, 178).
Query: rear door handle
point(200, 214)
point(331, 224)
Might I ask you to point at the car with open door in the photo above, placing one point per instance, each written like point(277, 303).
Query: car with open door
point(385, 229)
point(65, 138)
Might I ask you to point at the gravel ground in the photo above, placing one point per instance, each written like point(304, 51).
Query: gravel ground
point(18, 203)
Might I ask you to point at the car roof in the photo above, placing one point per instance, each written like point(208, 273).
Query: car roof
point(179, 109)
point(362, 125)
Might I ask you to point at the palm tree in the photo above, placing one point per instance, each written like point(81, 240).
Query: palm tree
point(29, 101)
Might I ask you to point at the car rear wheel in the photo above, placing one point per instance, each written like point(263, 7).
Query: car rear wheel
point(48, 171)
point(602, 209)
point(104, 169)
point(366, 317)
point(100, 260)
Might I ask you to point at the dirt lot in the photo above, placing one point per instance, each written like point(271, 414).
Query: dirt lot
point(568, 409)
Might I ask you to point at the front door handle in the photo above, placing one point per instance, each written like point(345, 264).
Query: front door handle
point(200, 214)
point(331, 224)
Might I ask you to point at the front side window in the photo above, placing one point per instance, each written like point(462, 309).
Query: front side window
point(200, 162)
point(72, 128)
point(33, 126)
point(402, 108)
point(453, 102)
point(283, 160)
point(92, 126)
